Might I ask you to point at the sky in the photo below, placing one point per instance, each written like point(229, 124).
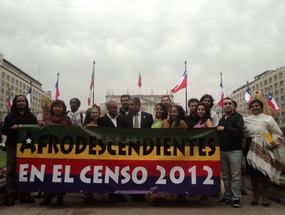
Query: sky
point(239, 39)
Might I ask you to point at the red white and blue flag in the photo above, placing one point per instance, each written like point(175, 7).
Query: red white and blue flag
point(140, 81)
point(220, 95)
point(9, 101)
point(182, 84)
point(29, 97)
point(272, 103)
point(57, 94)
point(247, 96)
point(91, 84)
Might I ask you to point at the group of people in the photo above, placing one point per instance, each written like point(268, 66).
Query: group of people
point(263, 162)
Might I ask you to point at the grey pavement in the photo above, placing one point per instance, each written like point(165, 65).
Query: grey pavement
point(74, 205)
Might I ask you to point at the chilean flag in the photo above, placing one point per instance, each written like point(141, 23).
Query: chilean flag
point(140, 81)
point(9, 102)
point(247, 96)
point(182, 84)
point(29, 97)
point(272, 103)
point(220, 96)
point(91, 84)
point(57, 94)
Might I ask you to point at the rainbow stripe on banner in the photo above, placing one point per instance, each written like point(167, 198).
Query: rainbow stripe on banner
point(111, 160)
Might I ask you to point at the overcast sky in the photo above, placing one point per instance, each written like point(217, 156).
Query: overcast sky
point(240, 38)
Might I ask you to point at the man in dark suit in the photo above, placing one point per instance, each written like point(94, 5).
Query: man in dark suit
point(137, 119)
point(111, 119)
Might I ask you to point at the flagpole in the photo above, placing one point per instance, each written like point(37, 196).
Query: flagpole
point(186, 90)
point(31, 95)
point(247, 87)
point(9, 101)
point(93, 93)
point(221, 74)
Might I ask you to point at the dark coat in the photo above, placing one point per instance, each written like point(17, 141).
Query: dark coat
point(146, 120)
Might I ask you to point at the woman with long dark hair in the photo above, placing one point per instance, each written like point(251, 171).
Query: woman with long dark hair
point(20, 114)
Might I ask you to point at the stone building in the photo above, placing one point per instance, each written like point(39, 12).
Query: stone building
point(14, 81)
point(271, 81)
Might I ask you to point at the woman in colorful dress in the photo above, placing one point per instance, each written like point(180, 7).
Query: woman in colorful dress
point(265, 152)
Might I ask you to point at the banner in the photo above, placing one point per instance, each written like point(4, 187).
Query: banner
point(111, 160)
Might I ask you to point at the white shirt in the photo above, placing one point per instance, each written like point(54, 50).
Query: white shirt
point(76, 117)
point(139, 119)
point(114, 120)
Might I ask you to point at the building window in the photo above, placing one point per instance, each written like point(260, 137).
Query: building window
point(265, 82)
point(280, 75)
point(3, 74)
point(270, 80)
point(8, 77)
point(275, 85)
point(270, 89)
point(281, 83)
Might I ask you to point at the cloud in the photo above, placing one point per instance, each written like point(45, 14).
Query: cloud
point(154, 37)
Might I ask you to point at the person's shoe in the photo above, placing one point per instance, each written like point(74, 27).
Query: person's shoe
point(28, 200)
point(39, 195)
point(224, 201)
point(135, 197)
point(181, 199)
point(216, 196)
point(59, 201)
point(88, 197)
point(243, 192)
point(111, 199)
point(266, 204)
point(121, 198)
point(255, 201)
point(236, 204)
point(45, 201)
point(10, 202)
point(142, 197)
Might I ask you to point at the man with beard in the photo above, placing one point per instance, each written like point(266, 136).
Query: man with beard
point(230, 129)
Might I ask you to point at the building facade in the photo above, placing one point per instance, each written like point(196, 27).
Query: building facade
point(271, 81)
point(148, 102)
point(14, 82)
